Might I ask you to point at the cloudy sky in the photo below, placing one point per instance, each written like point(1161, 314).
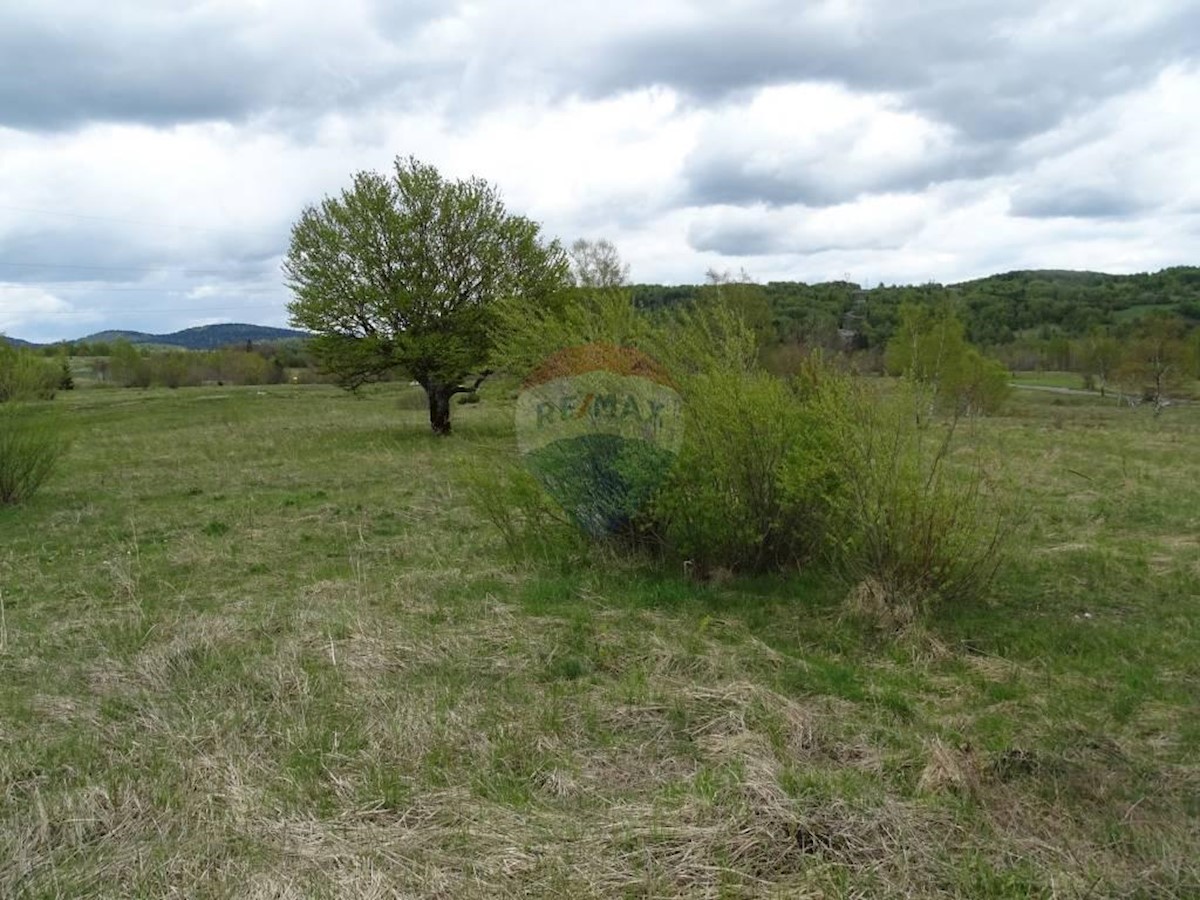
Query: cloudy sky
point(154, 153)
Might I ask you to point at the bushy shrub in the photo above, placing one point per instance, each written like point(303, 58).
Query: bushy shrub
point(25, 376)
point(921, 519)
point(820, 469)
point(511, 500)
point(752, 487)
point(30, 448)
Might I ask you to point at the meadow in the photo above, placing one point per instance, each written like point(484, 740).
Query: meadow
point(254, 642)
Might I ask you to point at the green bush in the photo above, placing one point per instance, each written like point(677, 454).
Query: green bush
point(931, 349)
point(510, 499)
point(26, 376)
point(30, 448)
point(822, 469)
point(753, 484)
point(921, 520)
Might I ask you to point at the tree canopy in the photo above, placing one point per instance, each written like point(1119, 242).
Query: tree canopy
point(401, 272)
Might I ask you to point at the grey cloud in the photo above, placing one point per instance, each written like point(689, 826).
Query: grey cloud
point(1074, 201)
point(105, 253)
point(977, 66)
point(735, 236)
point(974, 66)
point(735, 239)
point(162, 69)
point(728, 175)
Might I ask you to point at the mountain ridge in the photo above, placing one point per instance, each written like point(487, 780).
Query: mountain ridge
point(199, 337)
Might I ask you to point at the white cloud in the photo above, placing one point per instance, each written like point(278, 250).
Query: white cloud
point(23, 305)
point(155, 159)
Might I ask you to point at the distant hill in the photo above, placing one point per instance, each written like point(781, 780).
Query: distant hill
point(203, 337)
point(997, 310)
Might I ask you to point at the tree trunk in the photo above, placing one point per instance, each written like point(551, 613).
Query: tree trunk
point(439, 407)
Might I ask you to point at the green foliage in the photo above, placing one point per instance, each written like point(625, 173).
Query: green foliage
point(914, 525)
point(66, 380)
point(30, 448)
point(930, 347)
point(510, 499)
point(1101, 357)
point(776, 474)
point(26, 376)
point(747, 300)
point(130, 366)
point(402, 272)
point(527, 334)
point(1029, 319)
point(825, 472)
point(1157, 363)
point(752, 485)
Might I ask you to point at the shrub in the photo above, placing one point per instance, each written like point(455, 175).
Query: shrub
point(129, 366)
point(930, 348)
point(820, 469)
point(25, 376)
point(752, 486)
point(510, 499)
point(916, 525)
point(30, 448)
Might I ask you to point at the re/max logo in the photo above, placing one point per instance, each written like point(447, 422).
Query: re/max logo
point(610, 407)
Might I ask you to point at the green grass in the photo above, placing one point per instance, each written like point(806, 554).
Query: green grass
point(1049, 379)
point(254, 642)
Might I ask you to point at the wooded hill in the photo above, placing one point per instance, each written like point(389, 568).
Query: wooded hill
point(202, 337)
point(997, 310)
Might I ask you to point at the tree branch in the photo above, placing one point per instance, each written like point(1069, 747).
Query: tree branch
point(461, 389)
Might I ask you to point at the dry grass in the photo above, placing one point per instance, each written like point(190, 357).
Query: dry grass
point(278, 679)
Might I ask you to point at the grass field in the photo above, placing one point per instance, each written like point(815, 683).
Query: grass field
point(1049, 379)
point(1188, 391)
point(254, 643)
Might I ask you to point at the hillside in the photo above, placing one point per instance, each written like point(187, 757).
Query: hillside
point(203, 337)
point(997, 310)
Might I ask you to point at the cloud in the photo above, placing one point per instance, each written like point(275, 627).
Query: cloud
point(156, 156)
point(990, 71)
point(876, 223)
point(820, 145)
point(63, 65)
point(1074, 200)
point(22, 304)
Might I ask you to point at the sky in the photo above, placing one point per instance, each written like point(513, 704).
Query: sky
point(155, 153)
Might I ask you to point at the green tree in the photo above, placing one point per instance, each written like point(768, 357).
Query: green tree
point(930, 347)
point(128, 366)
point(1101, 356)
point(401, 273)
point(66, 380)
point(1156, 362)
